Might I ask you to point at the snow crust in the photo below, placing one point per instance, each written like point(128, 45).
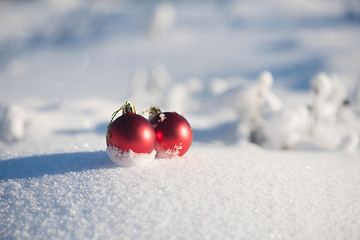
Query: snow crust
point(213, 192)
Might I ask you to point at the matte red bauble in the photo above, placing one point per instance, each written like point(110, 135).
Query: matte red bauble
point(173, 133)
point(130, 132)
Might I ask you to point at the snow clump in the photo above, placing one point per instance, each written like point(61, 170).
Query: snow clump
point(129, 158)
point(286, 129)
point(13, 121)
point(162, 153)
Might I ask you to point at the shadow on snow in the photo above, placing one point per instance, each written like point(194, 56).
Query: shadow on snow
point(37, 166)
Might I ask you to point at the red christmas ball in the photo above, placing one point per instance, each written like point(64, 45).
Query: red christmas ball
point(131, 132)
point(173, 134)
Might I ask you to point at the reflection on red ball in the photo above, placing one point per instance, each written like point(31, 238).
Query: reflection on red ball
point(131, 132)
point(173, 134)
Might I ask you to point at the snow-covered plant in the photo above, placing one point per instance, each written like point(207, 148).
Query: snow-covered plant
point(252, 104)
point(329, 94)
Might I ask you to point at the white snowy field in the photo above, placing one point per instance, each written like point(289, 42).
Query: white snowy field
point(270, 88)
point(214, 192)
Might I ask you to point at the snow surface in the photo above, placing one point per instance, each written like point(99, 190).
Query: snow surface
point(292, 66)
point(213, 192)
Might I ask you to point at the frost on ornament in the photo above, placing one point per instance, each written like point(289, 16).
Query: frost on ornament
point(162, 117)
point(129, 158)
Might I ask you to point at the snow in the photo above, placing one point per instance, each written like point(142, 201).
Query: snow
point(270, 88)
point(212, 192)
point(164, 17)
point(13, 123)
point(129, 159)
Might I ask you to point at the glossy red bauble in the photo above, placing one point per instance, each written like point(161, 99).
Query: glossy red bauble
point(131, 132)
point(173, 134)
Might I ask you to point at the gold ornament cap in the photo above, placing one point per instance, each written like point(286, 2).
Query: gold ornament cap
point(128, 108)
point(154, 110)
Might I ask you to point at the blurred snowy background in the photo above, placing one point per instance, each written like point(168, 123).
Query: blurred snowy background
point(253, 77)
point(65, 66)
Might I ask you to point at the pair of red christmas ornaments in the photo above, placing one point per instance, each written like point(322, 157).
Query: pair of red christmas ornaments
point(168, 133)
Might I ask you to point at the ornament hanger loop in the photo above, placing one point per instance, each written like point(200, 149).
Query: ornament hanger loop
point(127, 108)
